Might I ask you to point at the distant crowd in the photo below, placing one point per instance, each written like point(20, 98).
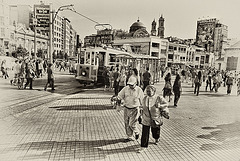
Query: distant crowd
point(115, 78)
point(27, 69)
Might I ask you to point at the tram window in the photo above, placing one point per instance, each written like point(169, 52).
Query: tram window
point(92, 58)
point(82, 57)
point(81, 60)
point(87, 57)
point(95, 60)
point(112, 58)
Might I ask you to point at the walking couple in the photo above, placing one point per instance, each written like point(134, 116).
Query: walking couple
point(152, 108)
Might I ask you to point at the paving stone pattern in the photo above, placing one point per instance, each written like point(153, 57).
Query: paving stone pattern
point(84, 126)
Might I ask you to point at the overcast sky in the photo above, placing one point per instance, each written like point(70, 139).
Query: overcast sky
point(181, 16)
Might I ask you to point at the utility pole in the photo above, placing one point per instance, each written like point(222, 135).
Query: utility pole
point(35, 37)
point(51, 35)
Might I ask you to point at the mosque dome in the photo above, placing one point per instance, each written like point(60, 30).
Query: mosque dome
point(137, 25)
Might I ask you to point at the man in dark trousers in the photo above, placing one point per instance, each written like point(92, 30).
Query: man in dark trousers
point(146, 78)
point(116, 76)
point(50, 77)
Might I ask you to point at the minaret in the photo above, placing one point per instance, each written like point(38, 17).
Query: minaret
point(161, 27)
point(154, 29)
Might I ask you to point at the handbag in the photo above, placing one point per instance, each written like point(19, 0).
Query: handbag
point(156, 122)
point(168, 85)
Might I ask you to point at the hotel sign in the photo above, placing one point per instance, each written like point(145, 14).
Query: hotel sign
point(42, 14)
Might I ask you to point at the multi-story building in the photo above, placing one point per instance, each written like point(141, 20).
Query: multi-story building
point(21, 14)
point(17, 20)
point(183, 53)
point(4, 30)
point(202, 59)
point(232, 57)
point(220, 39)
point(178, 54)
point(72, 42)
point(66, 36)
point(212, 36)
point(24, 38)
point(205, 33)
point(58, 33)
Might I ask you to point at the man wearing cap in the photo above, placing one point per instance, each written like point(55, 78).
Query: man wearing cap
point(132, 96)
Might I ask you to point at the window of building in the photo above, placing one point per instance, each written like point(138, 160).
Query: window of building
point(155, 54)
point(163, 51)
point(155, 45)
point(3, 32)
point(170, 56)
point(202, 60)
point(207, 59)
point(170, 48)
point(1, 20)
point(197, 59)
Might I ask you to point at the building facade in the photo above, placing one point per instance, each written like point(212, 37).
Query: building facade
point(212, 36)
point(13, 17)
point(232, 57)
point(4, 30)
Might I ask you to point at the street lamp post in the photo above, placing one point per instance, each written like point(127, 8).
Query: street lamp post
point(35, 36)
point(51, 35)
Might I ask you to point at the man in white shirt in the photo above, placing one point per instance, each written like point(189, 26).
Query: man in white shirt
point(16, 71)
point(132, 96)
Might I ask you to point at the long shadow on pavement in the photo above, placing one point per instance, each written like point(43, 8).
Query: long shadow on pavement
point(87, 98)
point(225, 135)
point(83, 150)
point(83, 107)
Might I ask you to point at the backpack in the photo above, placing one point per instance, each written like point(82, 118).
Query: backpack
point(196, 80)
point(146, 76)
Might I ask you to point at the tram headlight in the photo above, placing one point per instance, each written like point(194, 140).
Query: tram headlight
point(83, 73)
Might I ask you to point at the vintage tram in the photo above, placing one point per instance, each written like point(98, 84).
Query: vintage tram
point(92, 60)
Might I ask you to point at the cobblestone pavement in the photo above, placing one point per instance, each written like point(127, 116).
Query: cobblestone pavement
point(84, 126)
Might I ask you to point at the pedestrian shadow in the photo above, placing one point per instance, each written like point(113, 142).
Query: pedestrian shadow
point(211, 94)
point(79, 150)
point(172, 106)
point(226, 136)
point(83, 107)
point(87, 98)
point(187, 86)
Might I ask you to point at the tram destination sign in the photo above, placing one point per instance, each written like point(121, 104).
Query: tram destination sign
point(42, 14)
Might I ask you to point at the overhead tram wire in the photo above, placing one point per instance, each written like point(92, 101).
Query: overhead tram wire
point(97, 23)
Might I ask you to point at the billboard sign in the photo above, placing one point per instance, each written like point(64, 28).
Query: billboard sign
point(42, 14)
point(205, 34)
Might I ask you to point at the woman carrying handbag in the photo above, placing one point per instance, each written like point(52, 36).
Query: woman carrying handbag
point(154, 108)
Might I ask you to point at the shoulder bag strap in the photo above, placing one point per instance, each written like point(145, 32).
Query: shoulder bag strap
point(148, 109)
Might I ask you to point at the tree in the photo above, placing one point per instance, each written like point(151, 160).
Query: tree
point(20, 52)
point(40, 53)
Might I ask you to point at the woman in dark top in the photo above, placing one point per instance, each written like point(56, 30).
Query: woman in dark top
point(177, 89)
point(198, 82)
point(50, 78)
point(167, 90)
point(229, 83)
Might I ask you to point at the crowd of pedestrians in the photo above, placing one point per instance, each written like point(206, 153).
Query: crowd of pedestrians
point(140, 100)
point(26, 70)
point(115, 78)
point(212, 78)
